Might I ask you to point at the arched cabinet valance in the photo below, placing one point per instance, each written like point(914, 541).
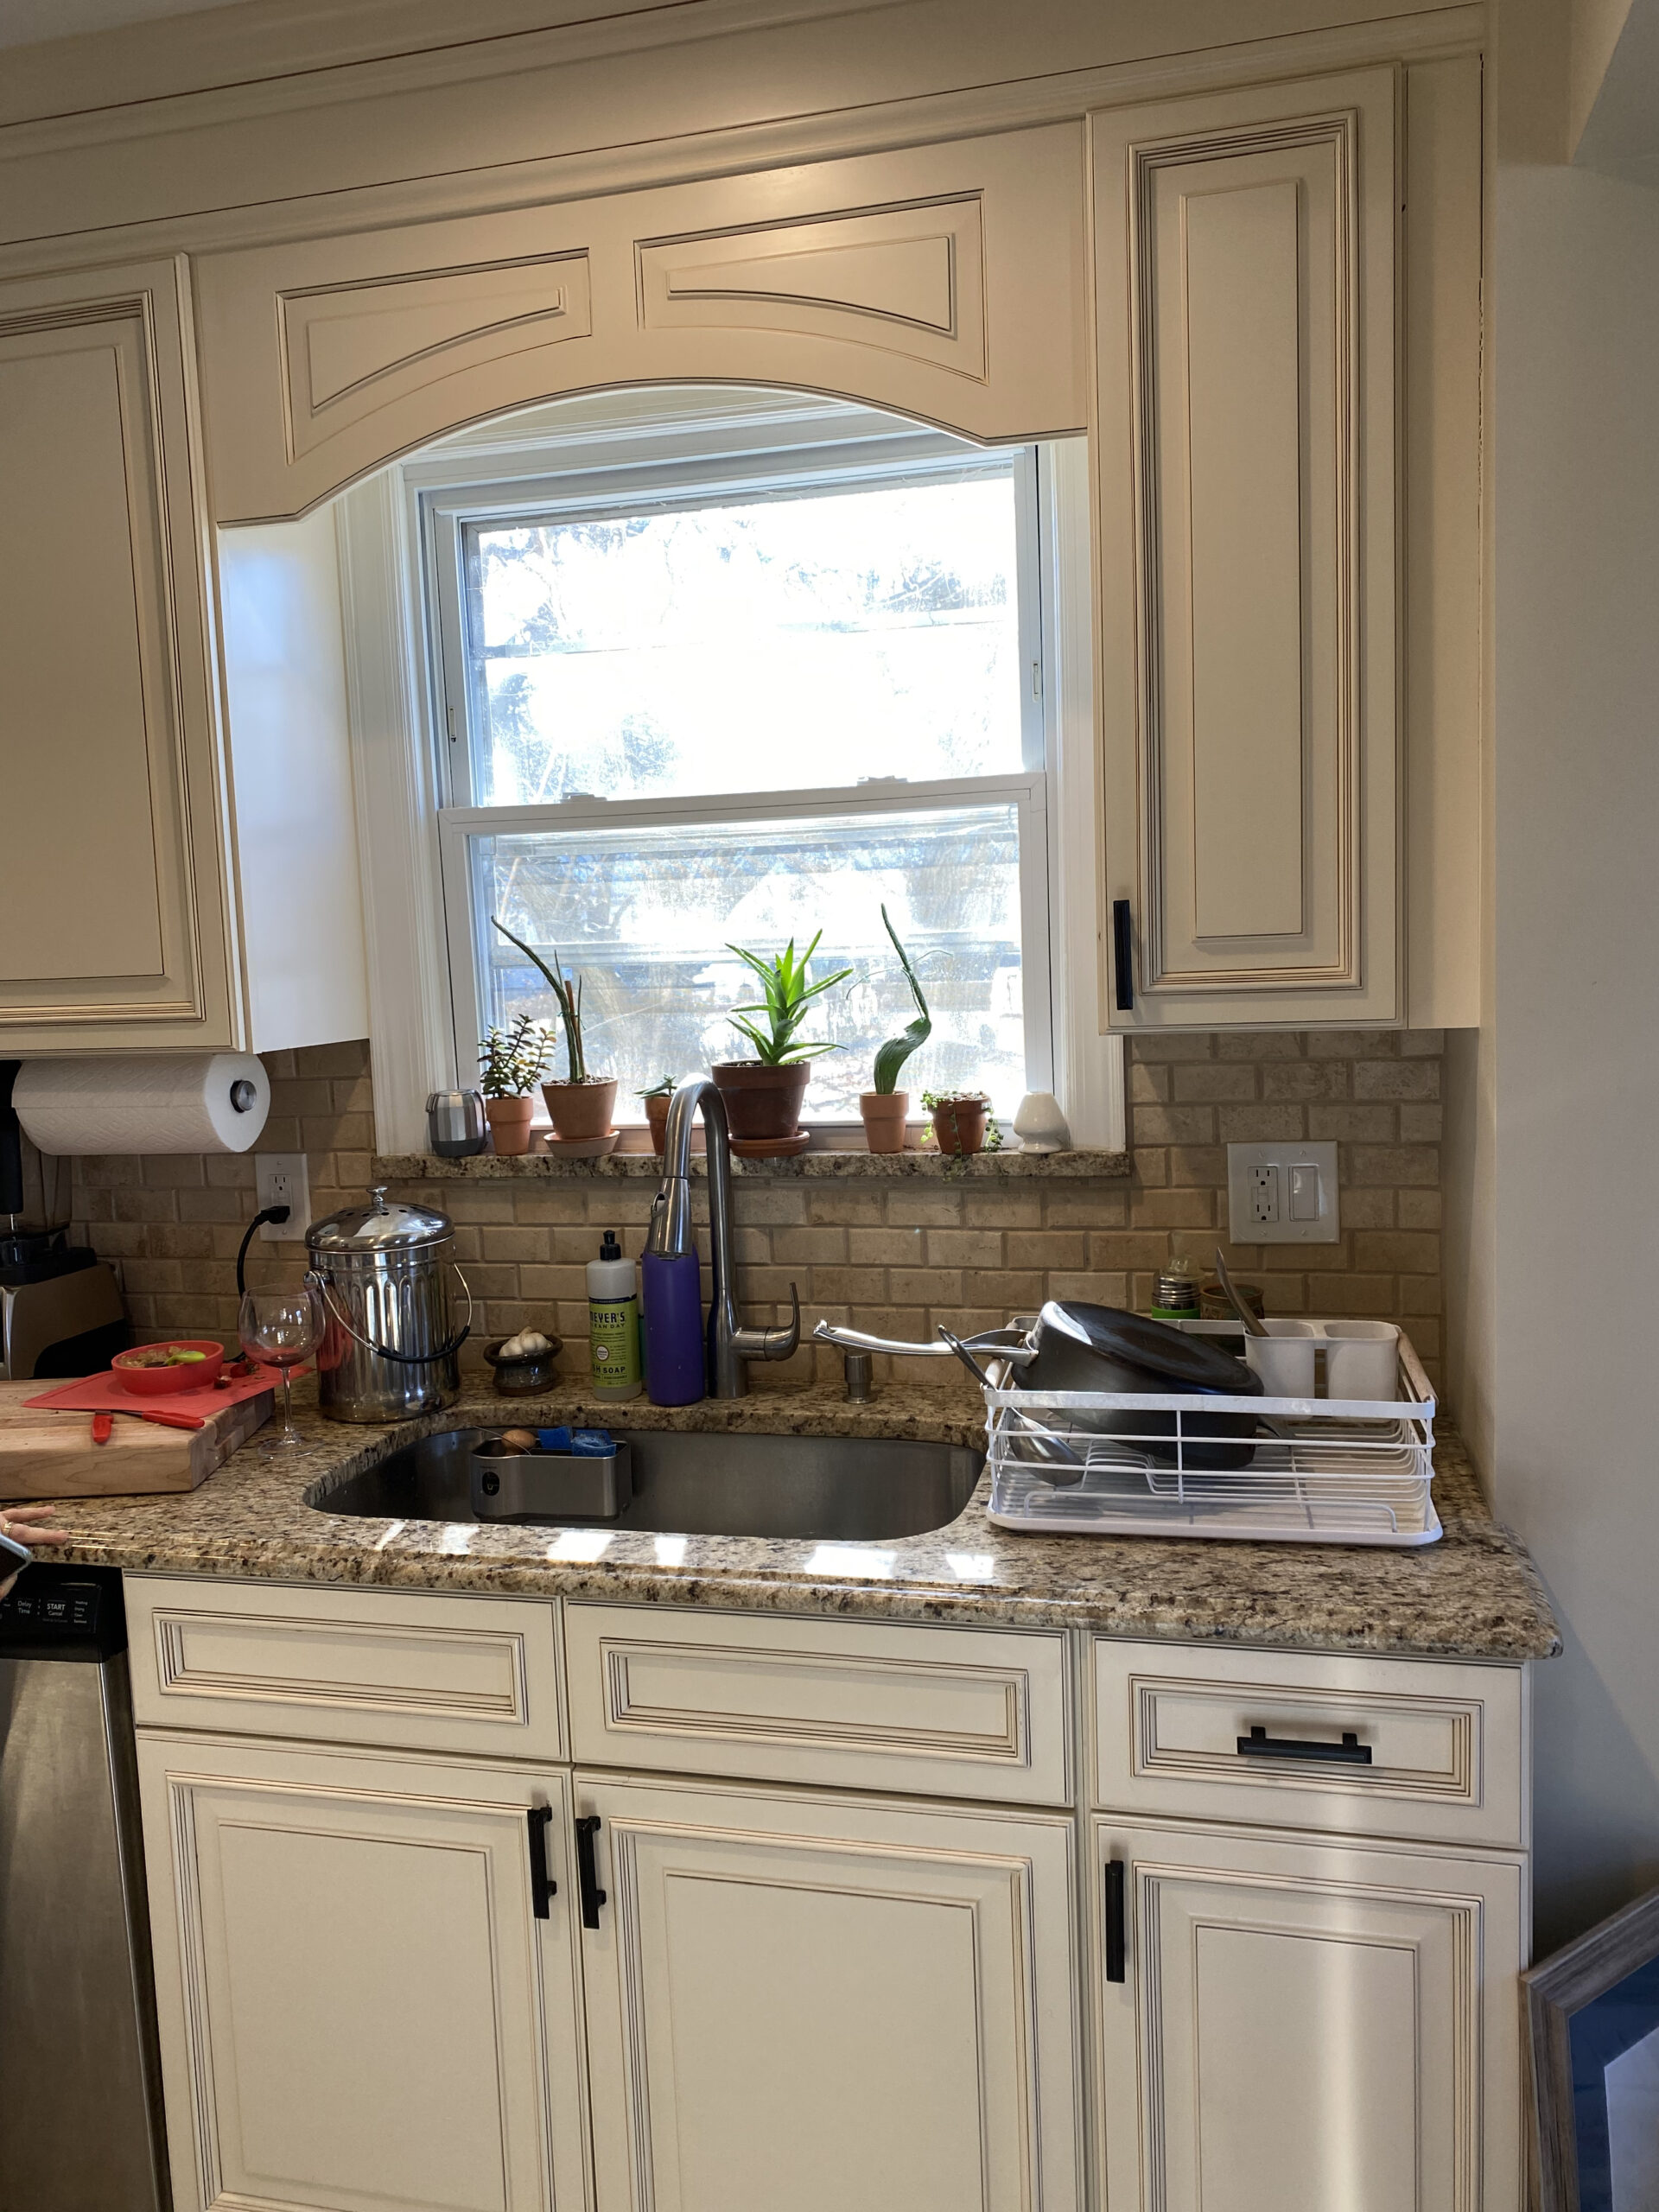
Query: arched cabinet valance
point(945, 282)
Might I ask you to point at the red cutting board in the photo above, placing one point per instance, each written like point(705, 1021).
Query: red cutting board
point(47, 1451)
point(106, 1392)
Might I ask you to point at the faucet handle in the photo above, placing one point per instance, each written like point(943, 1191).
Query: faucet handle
point(782, 1343)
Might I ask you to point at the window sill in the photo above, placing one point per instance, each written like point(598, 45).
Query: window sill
point(1007, 1165)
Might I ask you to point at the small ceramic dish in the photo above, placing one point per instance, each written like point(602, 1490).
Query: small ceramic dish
point(158, 1381)
point(524, 1378)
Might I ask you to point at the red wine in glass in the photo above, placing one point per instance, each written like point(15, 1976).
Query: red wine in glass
point(281, 1328)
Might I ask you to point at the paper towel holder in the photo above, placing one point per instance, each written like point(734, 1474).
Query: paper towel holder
point(245, 1095)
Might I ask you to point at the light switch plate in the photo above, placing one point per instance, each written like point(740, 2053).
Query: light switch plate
point(282, 1178)
point(1282, 1193)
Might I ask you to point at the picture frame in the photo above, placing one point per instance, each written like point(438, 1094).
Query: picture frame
point(1593, 2049)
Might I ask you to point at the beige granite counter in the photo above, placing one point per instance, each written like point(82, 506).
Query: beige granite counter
point(1474, 1594)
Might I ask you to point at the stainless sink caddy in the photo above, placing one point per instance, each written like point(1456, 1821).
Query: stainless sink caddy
point(551, 1486)
point(1322, 1470)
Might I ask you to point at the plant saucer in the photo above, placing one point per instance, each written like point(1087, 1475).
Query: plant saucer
point(772, 1147)
point(582, 1147)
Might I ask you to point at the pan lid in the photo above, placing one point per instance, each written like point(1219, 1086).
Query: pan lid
point(383, 1225)
point(1183, 1362)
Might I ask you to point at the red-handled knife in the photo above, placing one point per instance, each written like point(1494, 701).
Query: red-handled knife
point(103, 1423)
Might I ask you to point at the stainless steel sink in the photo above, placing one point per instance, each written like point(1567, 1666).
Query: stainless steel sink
point(851, 1489)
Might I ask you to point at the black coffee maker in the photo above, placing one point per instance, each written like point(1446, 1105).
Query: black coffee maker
point(60, 1309)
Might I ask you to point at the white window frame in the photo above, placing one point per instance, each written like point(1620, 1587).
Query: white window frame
point(397, 533)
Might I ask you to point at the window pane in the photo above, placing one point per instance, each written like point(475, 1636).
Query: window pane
point(645, 916)
point(808, 639)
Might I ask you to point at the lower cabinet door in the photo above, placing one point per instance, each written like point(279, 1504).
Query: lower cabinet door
point(828, 2007)
point(1303, 2024)
point(359, 2006)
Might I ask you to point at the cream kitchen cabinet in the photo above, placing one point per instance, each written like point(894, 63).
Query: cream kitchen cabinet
point(1287, 433)
point(361, 2004)
point(1293, 2020)
point(172, 880)
point(821, 2002)
point(840, 1919)
point(115, 896)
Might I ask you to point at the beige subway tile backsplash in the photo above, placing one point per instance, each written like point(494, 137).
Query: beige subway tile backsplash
point(895, 1259)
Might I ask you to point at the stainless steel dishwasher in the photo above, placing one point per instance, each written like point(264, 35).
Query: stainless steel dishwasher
point(80, 2127)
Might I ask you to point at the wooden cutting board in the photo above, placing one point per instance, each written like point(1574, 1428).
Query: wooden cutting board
point(45, 1452)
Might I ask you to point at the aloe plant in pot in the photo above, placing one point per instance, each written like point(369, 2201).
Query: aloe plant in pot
point(581, 1106)
point(762, 1096)
point(656, 1098)
point(885, 1108)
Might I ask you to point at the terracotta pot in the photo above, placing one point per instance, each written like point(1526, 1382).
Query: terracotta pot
point(959, 1125)
point(762, 1102)
point(884, 1113)
point(657, 1115)
point(581, 1110)
point(509, 1120)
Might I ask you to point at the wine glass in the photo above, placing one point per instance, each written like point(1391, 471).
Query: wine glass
point(281, 1328)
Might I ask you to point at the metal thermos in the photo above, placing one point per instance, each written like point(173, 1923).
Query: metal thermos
point(383, 1271)
point(456, 1127)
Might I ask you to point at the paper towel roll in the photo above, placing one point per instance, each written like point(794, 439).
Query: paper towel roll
point(148, 1102)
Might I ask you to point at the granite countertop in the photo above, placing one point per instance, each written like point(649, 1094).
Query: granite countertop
point(1475, 1594)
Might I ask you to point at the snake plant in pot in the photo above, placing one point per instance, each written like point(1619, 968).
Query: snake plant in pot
point(581, 1105)
point(885, 1108)
point(762, 1096)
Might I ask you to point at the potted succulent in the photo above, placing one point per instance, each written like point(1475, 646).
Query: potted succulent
point(581, 1106)
point(961, 1119)
point(762, 1096)
point(885, 1108)
point(659, 1096)
point(511, 1062)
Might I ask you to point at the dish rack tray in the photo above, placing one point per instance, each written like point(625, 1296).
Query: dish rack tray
point(1325, 1470)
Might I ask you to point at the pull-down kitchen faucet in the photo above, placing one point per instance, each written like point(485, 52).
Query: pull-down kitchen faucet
point(730, 1343)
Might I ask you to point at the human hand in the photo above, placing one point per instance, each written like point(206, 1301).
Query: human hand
point(29, 1525)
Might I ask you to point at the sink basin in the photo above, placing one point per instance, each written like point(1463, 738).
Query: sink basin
point(852, 1489)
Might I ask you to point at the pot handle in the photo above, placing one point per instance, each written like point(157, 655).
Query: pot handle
point(325, 1290)
point(1007, 1344)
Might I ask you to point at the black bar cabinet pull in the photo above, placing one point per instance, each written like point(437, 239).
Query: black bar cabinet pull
point(1258, 1745)
point(1116, 1933)
point(588, 1870)
point(542, 1884)
point(1122, 957)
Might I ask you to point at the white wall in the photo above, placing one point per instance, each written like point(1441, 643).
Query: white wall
point(1559, 1098)
point(297, 881)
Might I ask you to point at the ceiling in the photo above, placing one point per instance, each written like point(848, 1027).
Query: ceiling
point(23, 23)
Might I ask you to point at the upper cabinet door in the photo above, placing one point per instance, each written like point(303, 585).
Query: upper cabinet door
point(112, 898)
point(1245, 302)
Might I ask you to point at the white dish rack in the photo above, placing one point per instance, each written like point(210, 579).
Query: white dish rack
point(1324, 1471)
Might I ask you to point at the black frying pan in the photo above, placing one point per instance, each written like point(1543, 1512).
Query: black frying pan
point(1080, 1347)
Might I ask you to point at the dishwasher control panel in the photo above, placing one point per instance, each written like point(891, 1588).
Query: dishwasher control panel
point(63, 1611)
point(68, 1608)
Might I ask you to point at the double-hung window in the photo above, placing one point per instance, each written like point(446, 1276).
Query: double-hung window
point(692, 699)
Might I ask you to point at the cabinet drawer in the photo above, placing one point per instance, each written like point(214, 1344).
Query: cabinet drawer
point(939, 1711)
point(1437, 1751)
point(390, 1667)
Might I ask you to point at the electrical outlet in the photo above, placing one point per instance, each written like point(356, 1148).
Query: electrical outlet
point(1282, 1193)
point(1263, 1186)
point(281, 1178)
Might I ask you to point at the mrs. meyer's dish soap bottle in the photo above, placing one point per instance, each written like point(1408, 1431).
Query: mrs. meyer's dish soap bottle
point(614, 1322)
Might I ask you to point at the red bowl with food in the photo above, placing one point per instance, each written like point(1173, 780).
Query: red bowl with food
point(181, 1364)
